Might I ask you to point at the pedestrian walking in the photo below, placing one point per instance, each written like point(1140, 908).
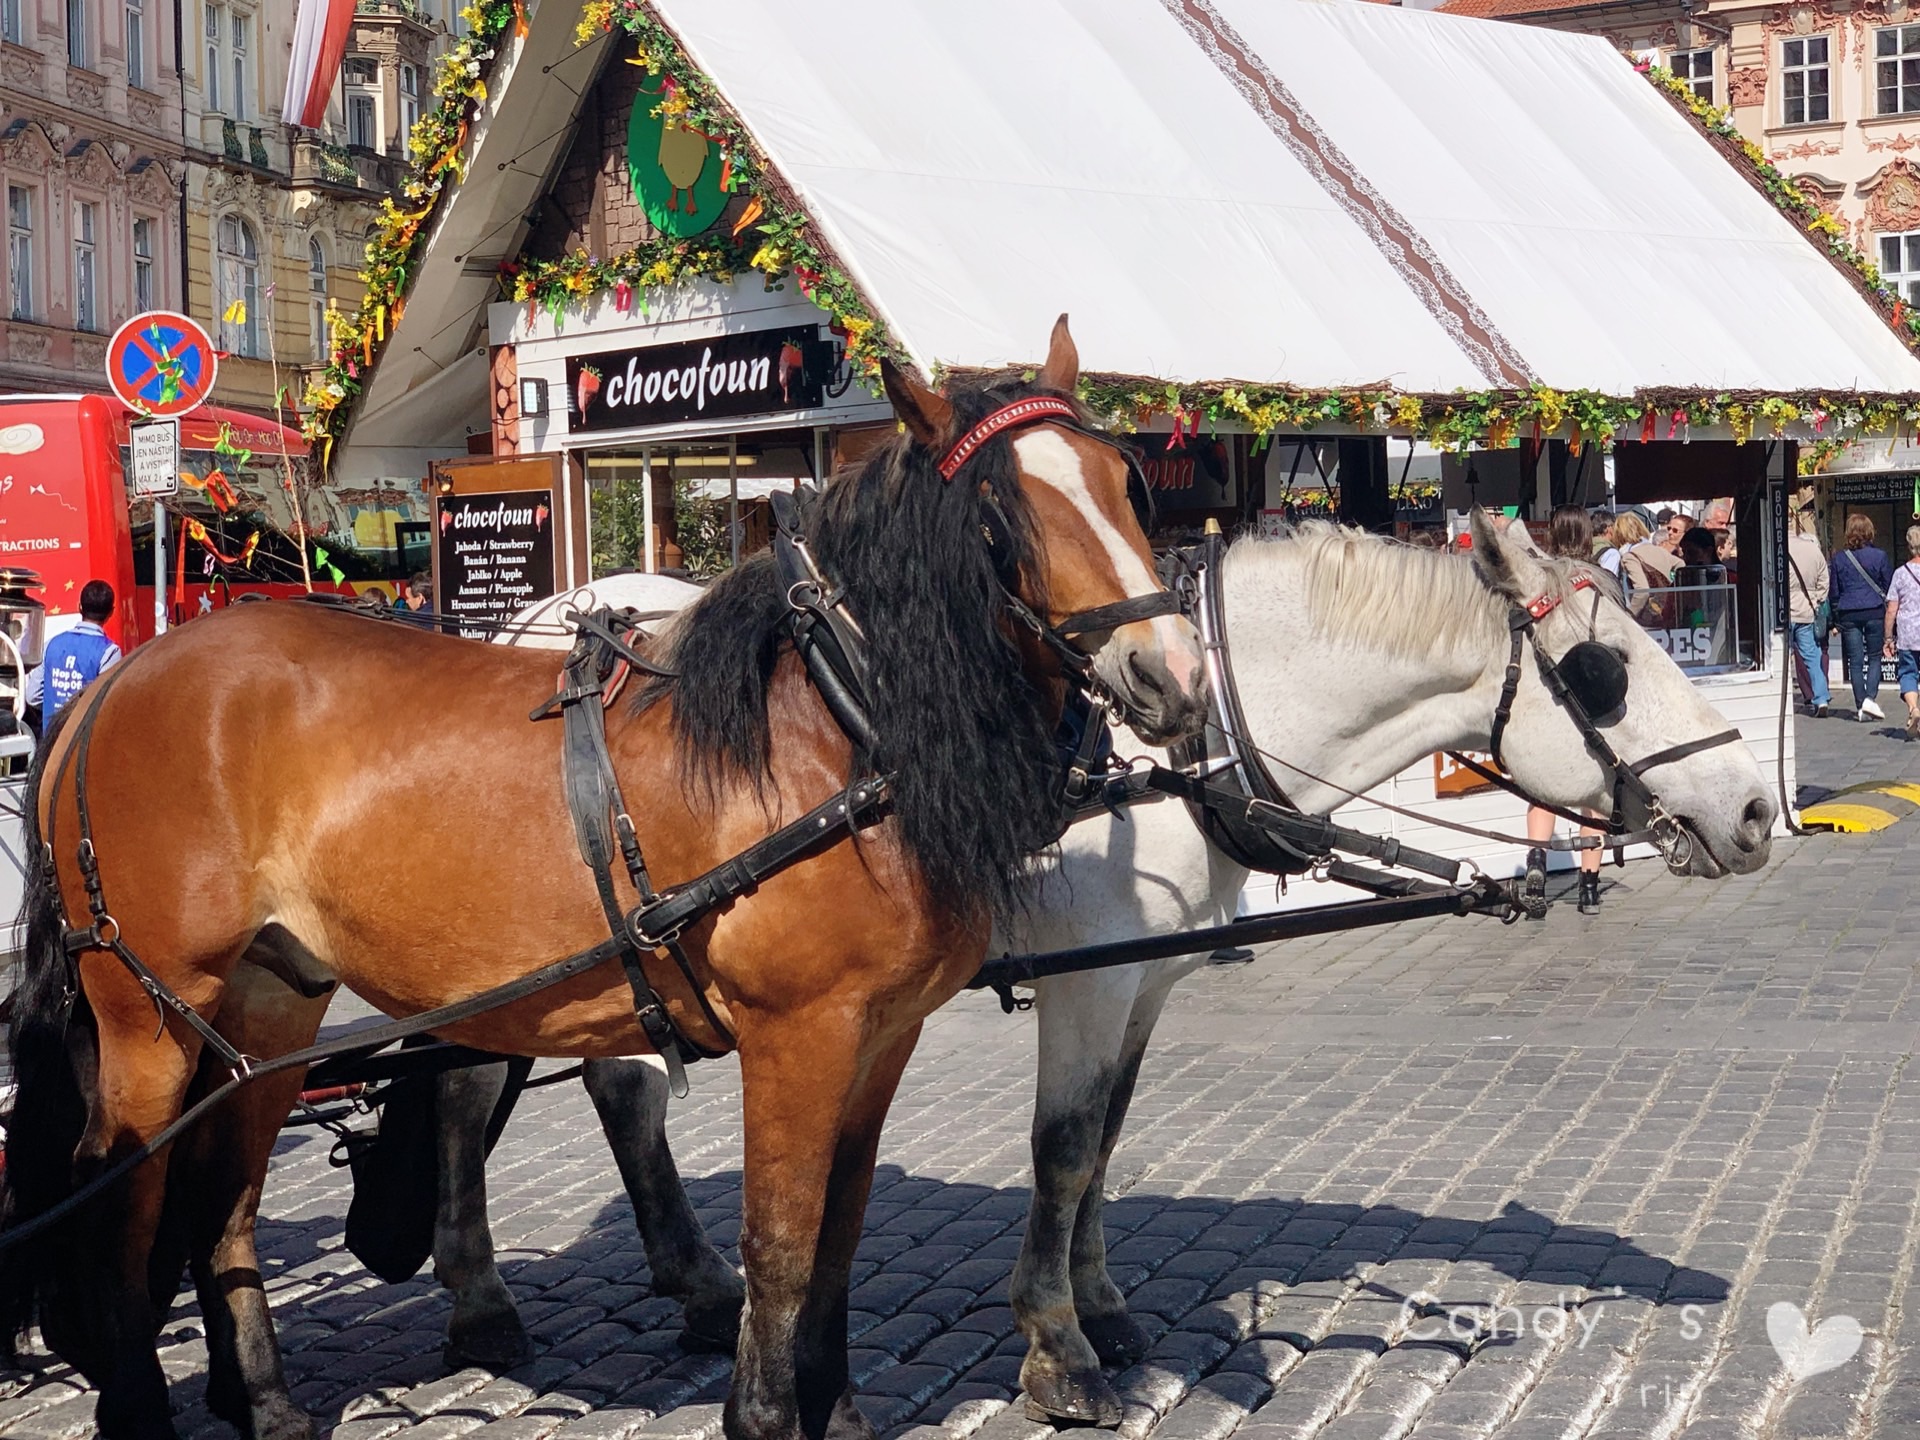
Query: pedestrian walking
point(1570, 535)
point(1858, 577)
point(1809, 616)
point(1903, 629)
point(75, 657)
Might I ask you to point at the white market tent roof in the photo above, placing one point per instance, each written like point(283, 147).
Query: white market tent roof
point(1314, 193)
point(981, 167)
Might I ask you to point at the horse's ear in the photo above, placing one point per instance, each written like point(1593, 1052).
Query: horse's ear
point(927, 416)
point(1501, 561)
point(1062, 370)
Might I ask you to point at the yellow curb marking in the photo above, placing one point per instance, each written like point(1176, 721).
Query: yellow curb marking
point(1846, 818)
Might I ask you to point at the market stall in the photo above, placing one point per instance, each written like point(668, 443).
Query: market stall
point(1295, 264)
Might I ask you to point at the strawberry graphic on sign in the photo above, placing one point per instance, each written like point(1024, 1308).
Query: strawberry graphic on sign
point(540, 513)
point(585, 387)
point(790, 364)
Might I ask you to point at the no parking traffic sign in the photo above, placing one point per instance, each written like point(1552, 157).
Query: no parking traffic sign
point(161, 363)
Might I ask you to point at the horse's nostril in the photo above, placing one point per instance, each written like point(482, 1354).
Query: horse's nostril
point(1756, 820)
point(1147, 675)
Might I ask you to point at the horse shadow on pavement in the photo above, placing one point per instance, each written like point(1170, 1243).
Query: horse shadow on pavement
point(1242, 1298)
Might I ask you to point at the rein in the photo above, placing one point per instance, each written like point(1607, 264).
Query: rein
point(1258, 825)
point(1664, 832)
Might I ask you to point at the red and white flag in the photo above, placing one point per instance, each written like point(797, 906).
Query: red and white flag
point(320, 33)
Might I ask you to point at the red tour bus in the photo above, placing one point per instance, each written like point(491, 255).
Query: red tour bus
point(64, 512)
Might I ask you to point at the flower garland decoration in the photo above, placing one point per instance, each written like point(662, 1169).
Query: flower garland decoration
point(771, 234)
point(437, 146)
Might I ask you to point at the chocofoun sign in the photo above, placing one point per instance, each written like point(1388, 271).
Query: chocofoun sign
point(763, 372)
point(495, 556)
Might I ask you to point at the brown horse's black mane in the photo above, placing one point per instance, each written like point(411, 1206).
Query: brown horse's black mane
point(967, 737)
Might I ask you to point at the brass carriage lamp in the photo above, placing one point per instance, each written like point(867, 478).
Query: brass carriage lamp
point(14, 584)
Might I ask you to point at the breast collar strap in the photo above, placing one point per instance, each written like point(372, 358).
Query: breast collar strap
point(1664, 830)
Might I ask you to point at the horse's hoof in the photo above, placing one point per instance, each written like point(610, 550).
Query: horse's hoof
point(497, 1345)
point(1117, 1339)
point(285, 1422)
point(1082, 1399)
point(712, 1324)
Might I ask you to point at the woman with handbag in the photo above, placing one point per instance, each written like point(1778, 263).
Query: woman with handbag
point(1903, 629)
point(1859, 576)
point(1809, 616)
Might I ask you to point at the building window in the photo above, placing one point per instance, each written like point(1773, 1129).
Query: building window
point(20, 252)
point(86, 290)
point(361, 129)
point(1694, 69)
point(136, 43)
point(77, 33)
point(1803, 78)
point(1896, 70)
point(11, 27)
point(143, 237)
point(237, 27)
point(409, 103)
point(210, 76)
point(239, 283)
point(317, 297)
point(1900, 264)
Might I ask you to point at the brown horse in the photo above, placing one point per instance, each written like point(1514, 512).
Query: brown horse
point(235, 765)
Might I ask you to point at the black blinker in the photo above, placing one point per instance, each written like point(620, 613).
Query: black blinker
point(1596, 677)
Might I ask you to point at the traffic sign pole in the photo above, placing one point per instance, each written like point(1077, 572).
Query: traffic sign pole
point(159, 569)
point(153, 452)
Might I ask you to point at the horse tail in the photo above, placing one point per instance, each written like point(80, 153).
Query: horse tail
point(52, 1052)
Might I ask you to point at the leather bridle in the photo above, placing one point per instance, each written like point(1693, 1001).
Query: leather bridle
point(1663, 830)
point(997, 530)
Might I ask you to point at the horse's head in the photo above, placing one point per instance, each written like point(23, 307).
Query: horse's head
point(1643, 704)
point(1057, 518)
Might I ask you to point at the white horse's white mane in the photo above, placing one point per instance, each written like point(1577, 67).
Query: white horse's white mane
point(1384, 595)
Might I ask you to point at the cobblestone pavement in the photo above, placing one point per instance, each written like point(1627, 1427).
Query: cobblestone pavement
point(1442, 1181)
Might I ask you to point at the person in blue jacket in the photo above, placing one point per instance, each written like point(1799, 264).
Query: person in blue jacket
point(74, 658)
point(1858, 580)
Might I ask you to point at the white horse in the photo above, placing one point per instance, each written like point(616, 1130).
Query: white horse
point(1354, 658)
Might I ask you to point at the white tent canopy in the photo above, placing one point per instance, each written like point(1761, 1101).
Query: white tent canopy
point(1315, 193)
point(1311, 192)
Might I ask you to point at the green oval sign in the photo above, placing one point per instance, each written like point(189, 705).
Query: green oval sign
point(675, 171)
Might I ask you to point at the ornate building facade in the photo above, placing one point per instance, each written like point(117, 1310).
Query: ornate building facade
point(136, 178)
point(92, 162)
point(1830, 91)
